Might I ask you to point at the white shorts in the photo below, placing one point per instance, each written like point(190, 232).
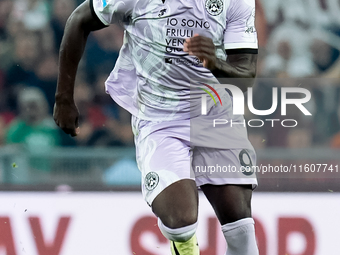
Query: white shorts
point(165, 155)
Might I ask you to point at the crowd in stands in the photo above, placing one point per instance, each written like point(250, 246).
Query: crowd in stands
point(292, 45)
point(30, 36)
point(301, 50)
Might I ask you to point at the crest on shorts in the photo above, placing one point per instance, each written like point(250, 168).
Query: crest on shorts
point(151, 181)
point(246, 162)
point(214, 7)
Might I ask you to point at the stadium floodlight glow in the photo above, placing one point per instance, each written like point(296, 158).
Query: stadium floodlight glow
point(238, 100)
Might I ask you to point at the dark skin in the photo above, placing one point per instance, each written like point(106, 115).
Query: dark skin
point(239, 68)
point(230, 202)
point(78, 27)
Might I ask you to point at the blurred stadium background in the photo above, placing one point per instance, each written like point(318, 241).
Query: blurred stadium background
point(63, 196)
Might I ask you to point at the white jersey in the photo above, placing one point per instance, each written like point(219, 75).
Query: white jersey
point(153, 77)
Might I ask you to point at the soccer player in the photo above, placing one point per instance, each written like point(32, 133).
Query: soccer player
point(171, 49)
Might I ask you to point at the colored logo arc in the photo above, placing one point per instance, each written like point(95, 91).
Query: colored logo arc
point(209, 93)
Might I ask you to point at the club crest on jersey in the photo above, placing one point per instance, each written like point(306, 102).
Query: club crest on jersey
point(214, 7)
point(151, 181)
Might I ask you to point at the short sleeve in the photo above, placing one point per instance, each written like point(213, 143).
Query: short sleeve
point(111, 11)
point(240, 30)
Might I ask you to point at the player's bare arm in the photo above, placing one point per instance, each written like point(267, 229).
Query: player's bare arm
point(78, 27)
point(236, 66)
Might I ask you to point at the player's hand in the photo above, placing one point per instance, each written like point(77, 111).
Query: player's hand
point(65, 115)
point(203, 48)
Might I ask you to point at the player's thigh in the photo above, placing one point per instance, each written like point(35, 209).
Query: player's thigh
point(177, 205)
point(227, 178)
point(230, 202)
